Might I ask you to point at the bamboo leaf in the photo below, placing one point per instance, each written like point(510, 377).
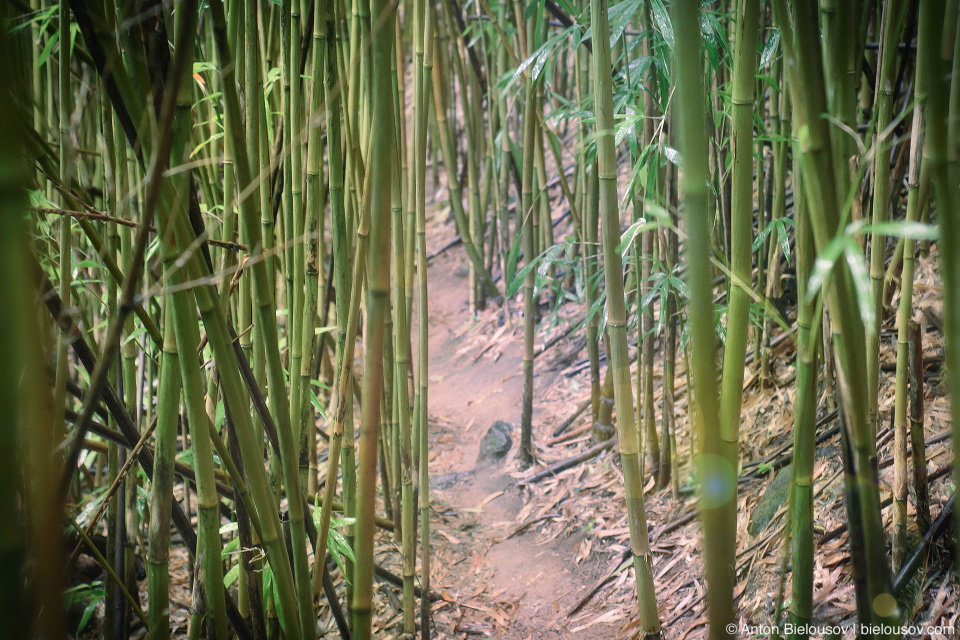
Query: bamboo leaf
point(680, 286)
point(231, 576)
point(824, 264)
point(898, 229)
point(861, 280)
point(518, 279)
point(317, 404)
point(844, 246)
point(39, 16)
point(547, 258)
point(770, 49)
point(339, 547)
point(673, 156)
point(87, 614)
point(620, 15)
point(630, 235)
point(90, 264)
point(662, 20)
point(48, 48)
point(784, 240)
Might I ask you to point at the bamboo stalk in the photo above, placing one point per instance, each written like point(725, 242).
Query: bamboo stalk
point(917, 442)
point(382, 161)
point(904, 313)
point(425, 56)
point(26, 534)
point(717, 476)
point(942, 133)
point(161, 489)
point(526, 216)
point(401, 354)
point(893, 16)
point(66, 224)
point(738, 310)
point(804, 422)
point(456, 201)
point(616, 322)
point(803, 57)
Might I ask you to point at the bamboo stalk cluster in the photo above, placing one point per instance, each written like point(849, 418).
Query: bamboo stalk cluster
point(223, 201)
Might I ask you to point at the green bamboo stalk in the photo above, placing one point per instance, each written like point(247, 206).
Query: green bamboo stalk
point(942, 141)
point(738, 311)
point(23, 399)
point(919, 455)
point(803, 59)
point(208, 516)
point(603, 428)
point(400, 386)
point(617, 325)
point(900, 541)
point(401, 356)
point(780, 117)
point(503, 182)
point(542, 221)
point(66, 223)
point(591, 267)
point(382, 162)
point(717, 476)
point(804, 422)
point(425, 57)
point(301, 407)
point(456, 198)
point(161, 489)
point(842, 70)
point(341, 437)
point(473, 121)
point(221, 343)
point(262, 153)
point(228, 227)
point(893, 16)
point(643, 259)
point(670, 466)
point(646, 415)
point(297, 276)
point(409, 197)
point(669, 247)
point(187, 336)
point(527, 215)
point(587, 184)
point(290, 47)
point(252, 102)
point(356, 210)
point(341, 271)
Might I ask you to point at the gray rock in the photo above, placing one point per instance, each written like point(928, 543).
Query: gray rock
point(776, 494)
point(447, 480)
point(495, 444)
point(827, 452)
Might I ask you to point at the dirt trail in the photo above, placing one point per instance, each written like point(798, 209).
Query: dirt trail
point(499, 582)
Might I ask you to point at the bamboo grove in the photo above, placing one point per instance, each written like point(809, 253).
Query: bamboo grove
point(215, 258)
